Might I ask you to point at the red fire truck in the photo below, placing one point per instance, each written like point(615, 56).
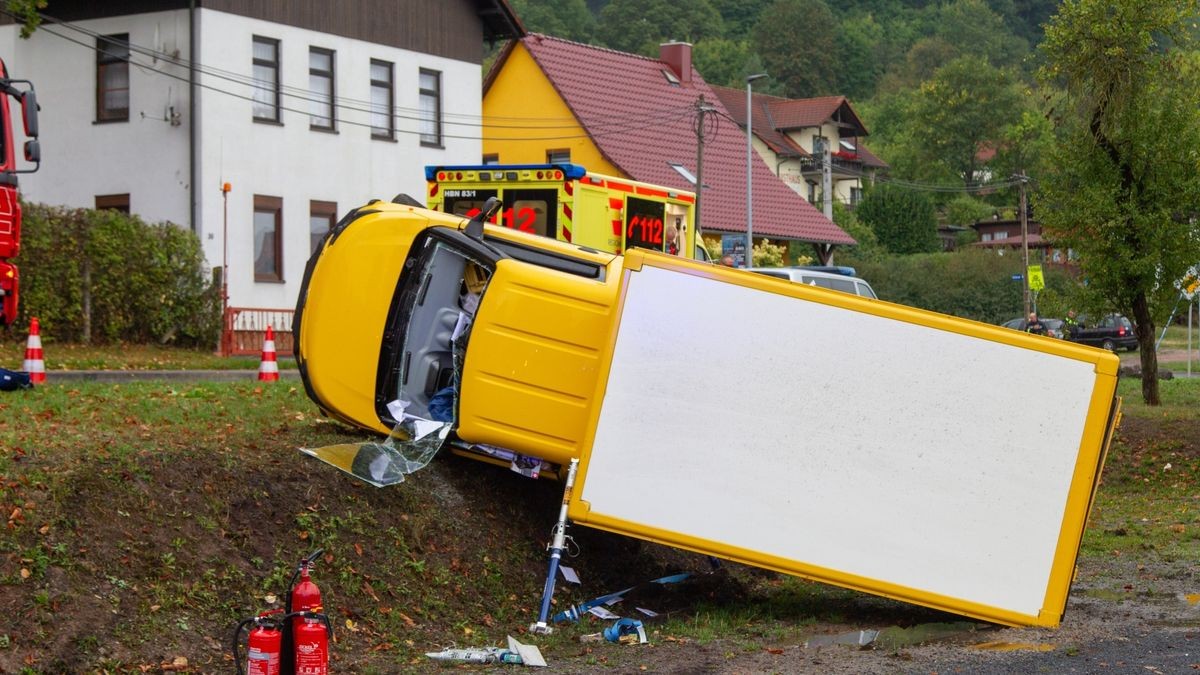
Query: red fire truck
point(10, 205)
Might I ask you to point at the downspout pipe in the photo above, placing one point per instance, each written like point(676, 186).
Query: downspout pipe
point(192, 115)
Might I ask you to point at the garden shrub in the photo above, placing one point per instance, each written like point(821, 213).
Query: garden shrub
point(147, 282)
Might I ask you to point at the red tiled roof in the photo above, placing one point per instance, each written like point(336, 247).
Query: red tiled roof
point(642, 123)
point(734, 101)
point(774, 115)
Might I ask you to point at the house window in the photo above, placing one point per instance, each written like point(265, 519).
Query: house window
point(383, 118)
point(321, 217)
point(266, 79)
point(113, 203)
point(558, 156)
point(493, 158)
point(431, 108)
point(986, 236)
point(268, 238)
point(112, 78)
point(855, 196)
point(320, 86)
point(812, 192)
point(1002, 235)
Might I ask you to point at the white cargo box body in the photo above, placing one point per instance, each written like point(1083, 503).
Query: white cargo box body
point(900, 452)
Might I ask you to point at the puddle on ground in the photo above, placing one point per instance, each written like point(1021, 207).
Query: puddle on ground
point(1013, 647)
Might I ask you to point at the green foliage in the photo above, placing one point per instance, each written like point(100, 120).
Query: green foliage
point(964, 210)
point(724, 62)
point(569, 19)
point(966, 105)
point(146, 282)
point(26, 13)
point(973, 284)
point(903, 220)
point(868, 247)
point(1123, 186)
point(640, 26)
point(796, 41)
point(767, 254)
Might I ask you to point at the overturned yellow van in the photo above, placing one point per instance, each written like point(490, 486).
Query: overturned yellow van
point(835, 437)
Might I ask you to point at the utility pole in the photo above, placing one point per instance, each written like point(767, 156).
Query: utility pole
point(1024, 239)
point(702, 109)
point(827, 177)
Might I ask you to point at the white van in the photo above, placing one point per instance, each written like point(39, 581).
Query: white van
point(842, 279)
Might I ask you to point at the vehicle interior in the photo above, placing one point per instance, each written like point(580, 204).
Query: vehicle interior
point(446, 294)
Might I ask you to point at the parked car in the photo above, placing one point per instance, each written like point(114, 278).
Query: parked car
point(1054, 327)
point(836, 278)
point(1111, 332)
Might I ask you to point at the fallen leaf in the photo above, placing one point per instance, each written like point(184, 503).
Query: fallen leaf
point(408, 620)
point(45, 529)
point(775, 651)
point(350, 626)
point(25, 573)
point(358, 549)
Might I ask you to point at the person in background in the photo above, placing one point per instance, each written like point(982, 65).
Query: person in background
point(1034, 325)
point(1070, 325)
point(727, 260)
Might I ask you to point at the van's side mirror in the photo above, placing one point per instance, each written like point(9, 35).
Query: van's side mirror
point(29, 113)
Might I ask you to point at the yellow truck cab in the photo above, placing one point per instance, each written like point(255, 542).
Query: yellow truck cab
point(820, 442)
point(568, 203)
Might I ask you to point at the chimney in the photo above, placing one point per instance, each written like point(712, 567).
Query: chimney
point(678, 57)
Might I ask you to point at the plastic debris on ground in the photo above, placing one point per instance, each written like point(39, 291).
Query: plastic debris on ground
point(530, 467)
point(516, 653)
point(12, 380)
point(410, 447)
point(623, 631)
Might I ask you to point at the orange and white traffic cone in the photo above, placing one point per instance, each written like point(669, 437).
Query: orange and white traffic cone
point(34, 365)
point(268, 369)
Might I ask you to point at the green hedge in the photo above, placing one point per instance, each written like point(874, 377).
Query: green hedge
point(147, 282)
point(973, 284)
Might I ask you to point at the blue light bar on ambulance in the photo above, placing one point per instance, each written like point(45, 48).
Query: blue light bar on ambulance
point(505, 171)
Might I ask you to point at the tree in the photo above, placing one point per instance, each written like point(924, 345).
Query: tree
point(568, 19)
point(1124, 187)
point(640, 26)
point(903, 220)
point(967, 103)
point(796, 41)
point(26, 13)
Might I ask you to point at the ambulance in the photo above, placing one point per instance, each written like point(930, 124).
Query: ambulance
point(568, 203)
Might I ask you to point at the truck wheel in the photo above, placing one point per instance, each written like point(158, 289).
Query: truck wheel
point(1108, 345)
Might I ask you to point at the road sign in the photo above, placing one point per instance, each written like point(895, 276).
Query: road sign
point(1018, 277)
point(1036, 281)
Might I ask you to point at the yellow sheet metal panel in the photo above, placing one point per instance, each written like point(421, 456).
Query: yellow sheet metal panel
point(347, 305)
point(534, 358)
point(686, 478)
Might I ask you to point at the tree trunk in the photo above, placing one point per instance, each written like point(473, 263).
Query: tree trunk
point(1144, 325)
point(86, 338)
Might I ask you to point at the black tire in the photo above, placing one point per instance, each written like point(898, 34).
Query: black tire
point(1108, 345)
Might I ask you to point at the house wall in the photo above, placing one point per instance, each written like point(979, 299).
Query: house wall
point(519, 87)
point(148, 157)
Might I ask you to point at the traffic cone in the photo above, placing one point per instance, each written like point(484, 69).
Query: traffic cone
point(268, 369)
point(34, 365)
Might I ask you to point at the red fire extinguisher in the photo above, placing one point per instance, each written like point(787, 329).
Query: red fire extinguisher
point(264, 645)
point(307, 633)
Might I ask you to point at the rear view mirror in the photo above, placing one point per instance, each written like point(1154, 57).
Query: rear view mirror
point(29, 114)
point(33, 152)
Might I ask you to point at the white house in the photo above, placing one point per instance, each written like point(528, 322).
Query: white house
point(301, 110)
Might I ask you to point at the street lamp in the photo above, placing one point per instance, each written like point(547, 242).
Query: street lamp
point(749, 171)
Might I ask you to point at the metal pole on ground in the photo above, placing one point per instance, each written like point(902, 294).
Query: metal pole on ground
point(556, 549)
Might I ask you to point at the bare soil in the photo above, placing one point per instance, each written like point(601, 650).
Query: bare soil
point(130, 566)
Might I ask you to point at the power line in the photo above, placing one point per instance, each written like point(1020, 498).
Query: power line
point(678, 113)
point(362, 106)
